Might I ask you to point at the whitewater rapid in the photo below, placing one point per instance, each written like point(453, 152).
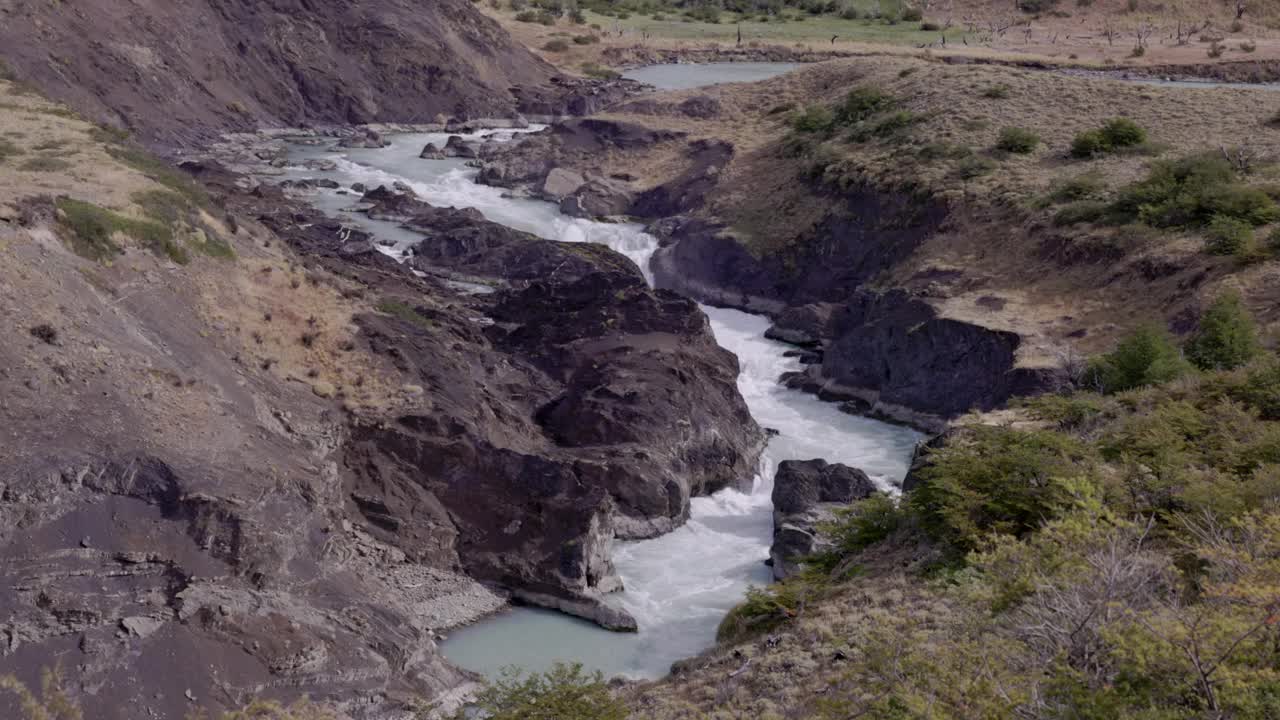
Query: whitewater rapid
point(678, 586)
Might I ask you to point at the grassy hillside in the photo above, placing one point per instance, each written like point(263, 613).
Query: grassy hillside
point(1101, 33)
point(1101, 556)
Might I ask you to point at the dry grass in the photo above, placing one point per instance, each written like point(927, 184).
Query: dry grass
point(173, 346)
point(783, 674)
point(1100, 35)
point(997, 242)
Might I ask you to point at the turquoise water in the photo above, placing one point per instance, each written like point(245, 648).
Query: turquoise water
point(684, 76)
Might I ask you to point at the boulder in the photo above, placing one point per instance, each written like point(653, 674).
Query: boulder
point(458, 147)
point(597, 198)
point(702, 107)
point(799, 486)
point(804, 325)
point(431, 152)
point(365, 138)
point(561, 183)
point(805, 495)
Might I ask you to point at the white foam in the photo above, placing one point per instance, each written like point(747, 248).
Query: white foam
point(680, 585)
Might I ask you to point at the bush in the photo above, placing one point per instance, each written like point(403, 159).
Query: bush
point(600, 71)
point(890, 125)
point(1146, 357)
point(1227, 338)
point(1085, 186)
point(1123, 132)
point(1258, 387)
point(1080, 212)
point(763, 609)
point(45, 164)
point(994, 480)
point(912, 14)
point(856, 527)
point(93, 228)
point(1228, 236)
point(585, 39)
point(997, 92)
point(541, 17)
point(1192, 191)
point(1115, 134)
point(813, 119)
point(863, 103)
point(556, 46)
point(565, 691)
point(974, 166)
point(1017, 140)
point(1089, 144)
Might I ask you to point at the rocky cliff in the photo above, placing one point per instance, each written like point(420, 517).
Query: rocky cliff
point(246, 454)
point(215, 66)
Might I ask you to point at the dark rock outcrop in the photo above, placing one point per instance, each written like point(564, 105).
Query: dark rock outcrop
point(615, 395)
point(804, 495)
point(365, 138)
point(897, 346)
point(570, 144)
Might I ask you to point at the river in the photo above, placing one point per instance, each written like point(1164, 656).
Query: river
point(678, 586)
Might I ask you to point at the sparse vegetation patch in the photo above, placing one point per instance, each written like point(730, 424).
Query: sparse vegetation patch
point(92, 230)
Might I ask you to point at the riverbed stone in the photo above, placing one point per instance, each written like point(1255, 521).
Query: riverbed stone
point(561, 183)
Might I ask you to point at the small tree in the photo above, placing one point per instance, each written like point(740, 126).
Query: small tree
point(1227, 338)
point(564, 691)
point(1147, 357)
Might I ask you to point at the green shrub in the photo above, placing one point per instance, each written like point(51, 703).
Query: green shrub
point(45, 164)
point(600, 71)
point(1080, 212)
point(912, 14)
point(1068, 412)
point(1192, 191)
point(858, 526)
point(1115, 134)
point(565, 691)
point(108, 134)
point(763, 609)
point(8, 150)
point(1148, 356)
point(1227, 338)
point(974, 166)
point(1228, 236)
point(813, 119)
point(585, 39)
point(92, 229)
point(943, 151)
point(994, 480)
point(161, 172)
point(894, 123)
point(1085, 186)
point(1089, 144)
point(997, 92)
point(556, 46)
point(1257, 387)
point(863, 103)
point(540, 17)
point(1122, 132)
point(1017, 140)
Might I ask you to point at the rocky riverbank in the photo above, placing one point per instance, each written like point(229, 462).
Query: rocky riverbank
point(272, 451)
